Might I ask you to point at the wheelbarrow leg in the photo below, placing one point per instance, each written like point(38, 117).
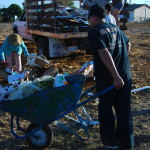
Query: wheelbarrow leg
point(88, 118)
point(18, 125)
point(12, 129)
point(74, 133)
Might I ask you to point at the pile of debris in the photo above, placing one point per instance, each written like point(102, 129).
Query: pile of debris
point(39, 66)
point(38, 75)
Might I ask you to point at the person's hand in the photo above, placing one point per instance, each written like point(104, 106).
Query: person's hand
point(118, 82)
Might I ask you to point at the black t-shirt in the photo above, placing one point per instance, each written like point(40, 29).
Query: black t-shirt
point(107, 35)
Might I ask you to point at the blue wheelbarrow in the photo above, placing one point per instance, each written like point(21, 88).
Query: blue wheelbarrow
point(46, 107)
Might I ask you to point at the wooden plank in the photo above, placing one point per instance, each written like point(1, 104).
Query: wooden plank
point(59, 35)
point(32, 20)
point(31, 1)
point(67, 0)
point(48, 13)
point(48, 21)
point(33, 6)
point(28, 1)
point(44, 6)
point(43, 14)
point(43, 21)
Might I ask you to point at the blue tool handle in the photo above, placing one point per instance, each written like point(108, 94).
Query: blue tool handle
point(103, 91)
point(94, 96)
point(100, 93)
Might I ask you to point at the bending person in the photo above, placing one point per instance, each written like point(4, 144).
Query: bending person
point(13, 46)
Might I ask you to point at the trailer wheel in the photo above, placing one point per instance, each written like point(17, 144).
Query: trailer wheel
point(40, 139)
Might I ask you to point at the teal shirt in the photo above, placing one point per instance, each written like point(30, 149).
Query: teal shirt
point(7, 49)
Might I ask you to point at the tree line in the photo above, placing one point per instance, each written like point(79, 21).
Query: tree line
point(9, 14)
point(15, 11)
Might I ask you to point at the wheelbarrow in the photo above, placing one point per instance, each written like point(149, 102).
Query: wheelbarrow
point(43, 108)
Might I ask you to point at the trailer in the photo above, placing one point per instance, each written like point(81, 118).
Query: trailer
point(55, 28)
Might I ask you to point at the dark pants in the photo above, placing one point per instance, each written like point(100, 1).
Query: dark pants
point(120, 130)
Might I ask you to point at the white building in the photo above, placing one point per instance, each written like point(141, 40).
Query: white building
point(138, 12)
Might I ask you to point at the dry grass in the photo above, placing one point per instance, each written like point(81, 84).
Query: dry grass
point(139, 34)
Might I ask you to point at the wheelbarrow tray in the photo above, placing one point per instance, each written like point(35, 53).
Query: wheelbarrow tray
point(45, 106)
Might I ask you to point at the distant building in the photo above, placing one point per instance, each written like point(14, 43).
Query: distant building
point(138, 12)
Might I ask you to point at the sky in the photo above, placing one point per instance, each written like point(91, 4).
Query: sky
point(7, 3)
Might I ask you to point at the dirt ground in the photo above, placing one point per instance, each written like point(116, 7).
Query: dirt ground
point(139, 34)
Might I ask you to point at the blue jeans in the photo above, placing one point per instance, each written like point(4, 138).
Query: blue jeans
point(119, 129)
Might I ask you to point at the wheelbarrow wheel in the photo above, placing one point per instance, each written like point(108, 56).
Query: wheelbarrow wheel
point(40, 139)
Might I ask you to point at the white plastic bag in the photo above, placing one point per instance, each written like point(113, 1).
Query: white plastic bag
point(60, 80)
point(44, 83)
point(25, 89)
point(31, 60)
point(35, 60)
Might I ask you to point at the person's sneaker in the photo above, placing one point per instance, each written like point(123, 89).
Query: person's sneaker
point(115, 147)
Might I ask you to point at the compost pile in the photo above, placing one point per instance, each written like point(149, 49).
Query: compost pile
point(139, 34)
point(38, 74)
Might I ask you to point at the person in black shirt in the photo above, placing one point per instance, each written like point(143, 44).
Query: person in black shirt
point(111, 67)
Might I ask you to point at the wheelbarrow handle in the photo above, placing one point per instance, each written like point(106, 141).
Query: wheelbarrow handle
point(99, 94)
point(92, 98)
point(86, 101)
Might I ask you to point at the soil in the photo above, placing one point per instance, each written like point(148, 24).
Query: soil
point(139, 34)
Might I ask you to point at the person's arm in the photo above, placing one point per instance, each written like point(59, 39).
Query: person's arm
point(97, 43)
point(24, 48)
point(2, 49)
point(107, 59)
point(129, 46)
point(2, 57)
point(127, 41)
